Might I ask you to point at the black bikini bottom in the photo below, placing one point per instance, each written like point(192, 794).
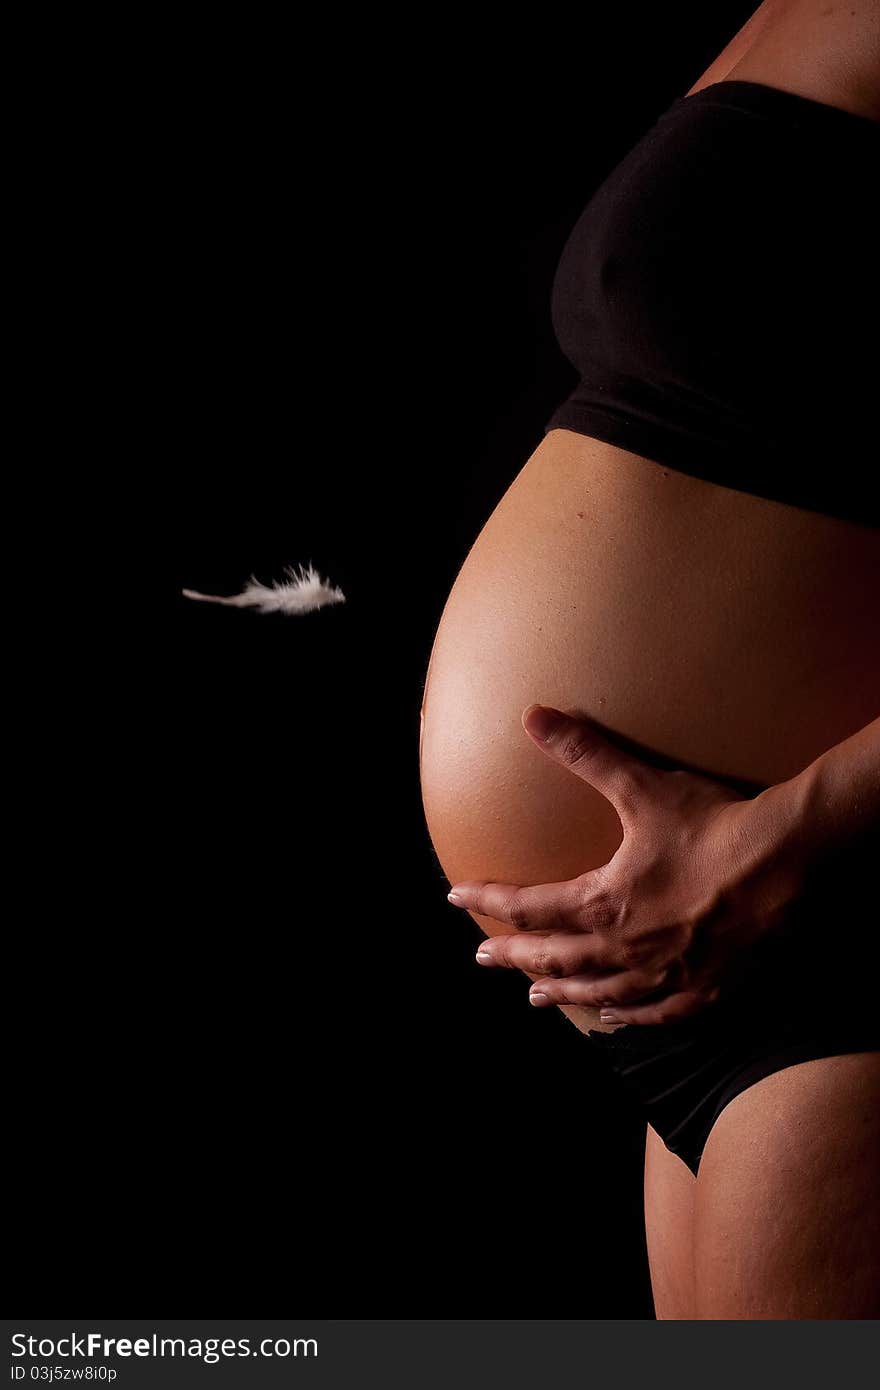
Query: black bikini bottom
point(809, 993)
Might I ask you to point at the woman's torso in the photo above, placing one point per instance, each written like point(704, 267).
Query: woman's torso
point(722, 630)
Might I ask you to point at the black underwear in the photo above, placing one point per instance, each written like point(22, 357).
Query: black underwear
point(809, 992)
point(683, 1075)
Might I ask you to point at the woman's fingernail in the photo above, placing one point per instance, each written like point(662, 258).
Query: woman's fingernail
point(483, 958)
point(538, 999)
point(454, 898)
point(608, 1016)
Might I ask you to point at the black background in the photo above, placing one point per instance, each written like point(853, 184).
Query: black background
point(304, 282)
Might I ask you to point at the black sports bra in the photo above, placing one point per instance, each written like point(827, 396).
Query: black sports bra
point(720, 298)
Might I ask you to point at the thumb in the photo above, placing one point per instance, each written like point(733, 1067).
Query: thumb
point(576, 742)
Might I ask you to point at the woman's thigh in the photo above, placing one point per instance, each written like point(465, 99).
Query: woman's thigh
point(669, 1223)
point(786, 1216)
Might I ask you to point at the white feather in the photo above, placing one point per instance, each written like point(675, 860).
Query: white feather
point(303, 591)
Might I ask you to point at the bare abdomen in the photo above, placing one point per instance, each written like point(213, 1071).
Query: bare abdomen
point(732, 634)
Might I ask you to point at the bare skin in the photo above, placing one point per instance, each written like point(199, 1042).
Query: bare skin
point(786, 1217)
point(822, 49)
point(670, 1196)
point(782, 1220)
point(679, 614)
point(795, 1153)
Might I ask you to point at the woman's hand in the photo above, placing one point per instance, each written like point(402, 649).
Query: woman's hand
point(667, 924)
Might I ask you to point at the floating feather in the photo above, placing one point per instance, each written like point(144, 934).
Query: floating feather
point(303, 591)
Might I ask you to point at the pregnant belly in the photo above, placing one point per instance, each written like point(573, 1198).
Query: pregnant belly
point(720, 631)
